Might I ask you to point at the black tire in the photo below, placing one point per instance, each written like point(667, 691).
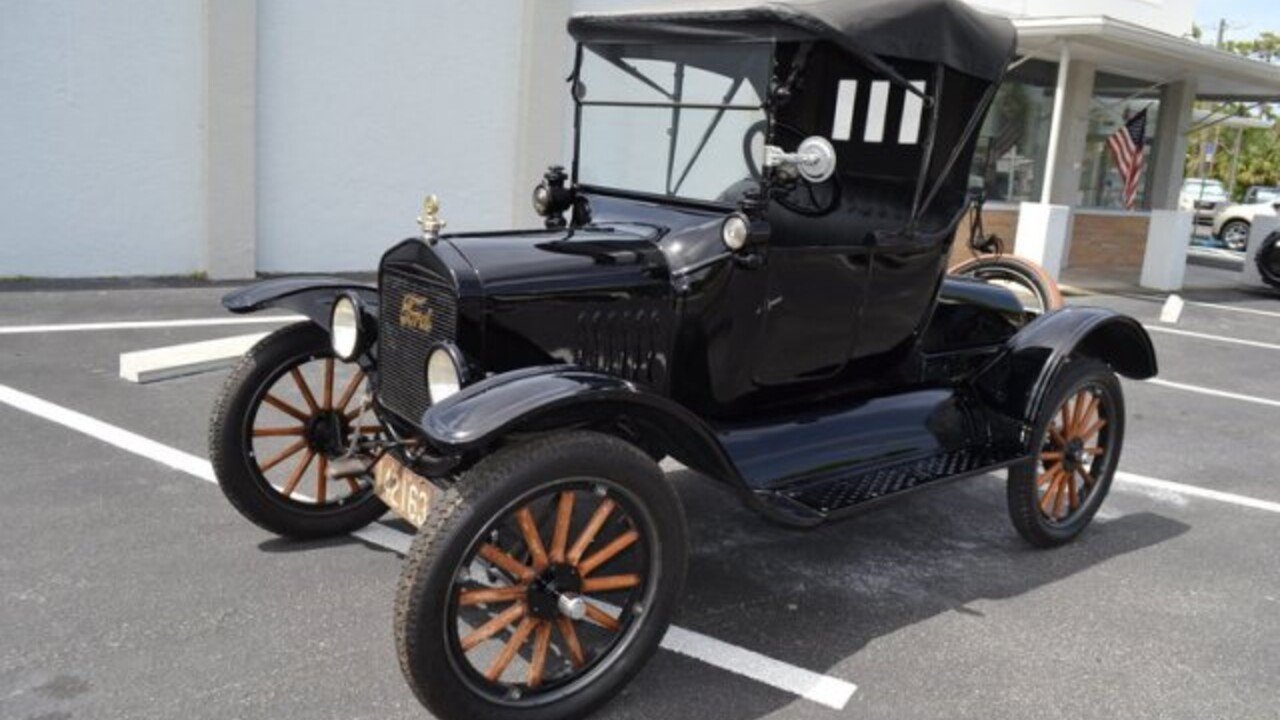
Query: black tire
point(1269, 260)
point(1235, 235)
point(468, 515)
point(1082, 378)
point(1029, 277)
point(231, 448)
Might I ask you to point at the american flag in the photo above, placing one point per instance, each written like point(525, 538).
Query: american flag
point(1128, 148)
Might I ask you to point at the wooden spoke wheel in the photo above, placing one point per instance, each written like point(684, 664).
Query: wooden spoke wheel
point(542, 580)
point(1034, 288)
point(1080, 434)
point(306, 418)
point(1071, 453)
point(549, 590)
point(287, 410)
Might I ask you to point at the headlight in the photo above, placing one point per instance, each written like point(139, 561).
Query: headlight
point(444, 377)
point(344, 328)
point(734, 232)
point(542, 200)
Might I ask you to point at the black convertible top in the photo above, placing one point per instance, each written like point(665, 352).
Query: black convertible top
point(946, 32)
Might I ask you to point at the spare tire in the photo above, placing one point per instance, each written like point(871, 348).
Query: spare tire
point(1269, 260)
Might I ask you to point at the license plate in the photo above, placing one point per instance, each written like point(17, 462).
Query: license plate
point(407, 493)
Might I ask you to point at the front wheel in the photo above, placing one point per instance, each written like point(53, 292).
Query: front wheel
point(1054, 496)
point(1034, 287)
point(542, 581)
point(286, 410)
point(1235, 235)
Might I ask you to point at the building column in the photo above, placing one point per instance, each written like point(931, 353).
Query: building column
point(231, 233)
point(1044, 228)
point(546, 59)
point(1066, 161)
point(1177, 101)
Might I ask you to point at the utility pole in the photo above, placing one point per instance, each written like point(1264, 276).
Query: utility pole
point(1222, 33)
point(1235, 162)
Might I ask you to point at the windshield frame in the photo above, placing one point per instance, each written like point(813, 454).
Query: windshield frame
point(676, 107)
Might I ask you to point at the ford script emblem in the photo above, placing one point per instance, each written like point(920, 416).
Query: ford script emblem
point(415, 314)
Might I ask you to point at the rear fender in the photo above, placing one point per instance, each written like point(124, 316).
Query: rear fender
point(546, 398)
point(309, 296)
point(1018, 381)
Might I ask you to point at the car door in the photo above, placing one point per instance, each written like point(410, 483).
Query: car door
point(905, 276)
point(811, 313)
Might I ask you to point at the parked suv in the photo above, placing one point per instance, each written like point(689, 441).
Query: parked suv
point(1261, 194)
point(1234, 222)
point(1203, 197)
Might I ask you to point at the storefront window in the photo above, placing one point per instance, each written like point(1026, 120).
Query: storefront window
point(1014, 145)
point(1115, 100)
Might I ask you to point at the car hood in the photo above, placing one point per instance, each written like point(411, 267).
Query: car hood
point(1249, 212)
point(540, 261)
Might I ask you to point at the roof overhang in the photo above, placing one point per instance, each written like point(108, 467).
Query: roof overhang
point(1127, 49)
point(1205, 118)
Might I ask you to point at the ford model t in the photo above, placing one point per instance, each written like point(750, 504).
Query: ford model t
point(743, 270)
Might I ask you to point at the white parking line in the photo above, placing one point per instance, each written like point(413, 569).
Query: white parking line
point(1195, 491)
point(1172, 309)
point(146, 324)
point(1215, 338)
point(1214, 393)
point(110, 434)
point(1233, 308)
point(822, 689)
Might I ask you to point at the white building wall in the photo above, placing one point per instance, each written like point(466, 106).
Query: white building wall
point(100, 138)
point(363, 107)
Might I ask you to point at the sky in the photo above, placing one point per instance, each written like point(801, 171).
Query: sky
point(1246, 19)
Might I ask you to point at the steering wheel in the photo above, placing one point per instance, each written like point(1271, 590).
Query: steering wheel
point(797, 195)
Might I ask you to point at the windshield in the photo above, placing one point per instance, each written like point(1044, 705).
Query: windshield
point(1263, 195)
point(1204, 189)
point(674, 120)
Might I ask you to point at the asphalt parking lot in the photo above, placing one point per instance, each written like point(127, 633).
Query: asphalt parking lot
point(131, 589)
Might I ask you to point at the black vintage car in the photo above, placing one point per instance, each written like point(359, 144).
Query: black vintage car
point(1268, 260)
point(744, 270)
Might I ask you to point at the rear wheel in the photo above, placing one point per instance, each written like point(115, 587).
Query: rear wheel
point(1235, 235)
point(1080, 434)
point(1269, 260)
point(1035, 288)
point(542, 582)
point(288, 408)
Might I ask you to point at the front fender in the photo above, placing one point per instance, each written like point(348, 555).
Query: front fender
point(1018, 382)
point(550, 397)
point(309, 296)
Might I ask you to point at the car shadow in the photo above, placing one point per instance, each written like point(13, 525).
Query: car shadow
point(816, 598)
point(1227, 296)
point(1218, 295)
point(289, 545)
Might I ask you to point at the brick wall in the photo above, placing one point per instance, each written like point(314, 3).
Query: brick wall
point(1002, 222)
point(1107, 241)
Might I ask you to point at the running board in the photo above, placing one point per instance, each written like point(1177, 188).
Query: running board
point(826, 498)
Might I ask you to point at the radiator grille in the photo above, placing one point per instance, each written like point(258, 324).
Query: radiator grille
point(402, 351)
